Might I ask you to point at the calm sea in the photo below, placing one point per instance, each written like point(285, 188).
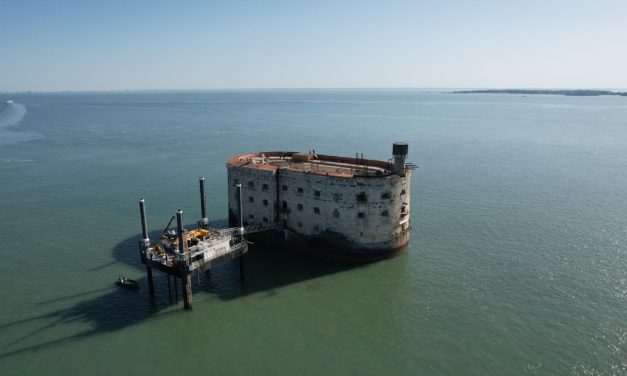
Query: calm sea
point(517, 262)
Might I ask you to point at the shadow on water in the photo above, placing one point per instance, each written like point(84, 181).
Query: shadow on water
point(266, 270)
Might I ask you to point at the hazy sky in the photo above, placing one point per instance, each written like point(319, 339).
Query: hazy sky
point(115, 44)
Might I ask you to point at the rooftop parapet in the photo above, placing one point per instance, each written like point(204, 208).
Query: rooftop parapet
point(312, 163)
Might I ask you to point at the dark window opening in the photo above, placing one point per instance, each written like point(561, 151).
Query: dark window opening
point(361, 215)
point(264, 187)
point(251, 199)
point(316, 193)
point(362, 197)
point(299, 191)
point(265, 219)
point(265, 202)
point(250, 216)
point(284, 204)
point(317, 210)
point(300, 206)
point(403, 192)
point(385, 213)
point(336, 213)
point(386, 196)
point(284, 187)
point(337, 197)
point(251, 185)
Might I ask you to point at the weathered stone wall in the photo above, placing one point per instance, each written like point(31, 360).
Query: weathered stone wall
point(367, 212)
point(258, 194)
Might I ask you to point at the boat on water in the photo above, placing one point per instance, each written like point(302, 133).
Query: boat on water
point(126, 283)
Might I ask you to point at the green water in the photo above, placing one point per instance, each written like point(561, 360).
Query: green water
point(517, 262)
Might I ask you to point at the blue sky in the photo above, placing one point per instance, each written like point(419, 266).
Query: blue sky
point(116, 45)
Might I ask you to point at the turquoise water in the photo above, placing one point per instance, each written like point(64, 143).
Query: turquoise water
point(517, 262)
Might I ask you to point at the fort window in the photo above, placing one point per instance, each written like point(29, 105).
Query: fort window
point(316, 193)
point(336, 213)
point(403, 192)
point(317, 210)
point(265, 219)
point(284, 205)
point(337, 197)
point(385, 213)
point(299, 191)
point(251, 216)
point(265, 202)
point(251, 199)
point(251, 185)
point(361, 197)
point(300, 206)
point(264, 187)
point(361, 215)
point(284, 187)
point(386, 196)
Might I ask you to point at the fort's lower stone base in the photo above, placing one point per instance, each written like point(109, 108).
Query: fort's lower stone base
point(331, 247)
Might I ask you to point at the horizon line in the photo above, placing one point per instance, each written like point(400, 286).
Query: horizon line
point(96, 91)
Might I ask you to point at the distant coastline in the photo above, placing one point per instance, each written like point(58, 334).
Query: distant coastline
point(576, 93)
